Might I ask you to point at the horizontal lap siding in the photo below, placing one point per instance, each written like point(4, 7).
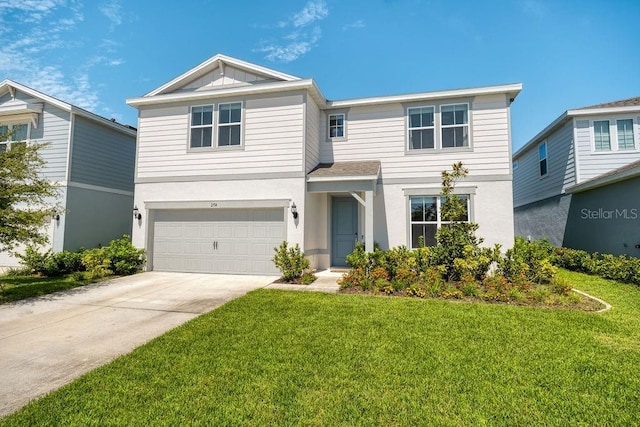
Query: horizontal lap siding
point(101, 156)
point(379, 133)
point(53, 129)
point(273, 135)
point(528, 186)
point(594, 164)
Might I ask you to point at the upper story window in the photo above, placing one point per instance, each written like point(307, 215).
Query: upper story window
point(426, 218)
point(542, 156)
point(201, 126)
point(229, 124)
point(421, 128)
point(13, 134)
point(515, 164)
point(455, 125)
point(625, 135)
point(601, 135)
point(336, 125)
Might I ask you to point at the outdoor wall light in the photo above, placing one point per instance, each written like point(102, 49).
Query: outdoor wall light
point(294, 211)
point(57, 217)
point(136, 214)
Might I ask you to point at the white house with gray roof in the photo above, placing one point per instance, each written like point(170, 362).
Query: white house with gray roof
point(576, 182)
point(89, 158)
point(233, 158)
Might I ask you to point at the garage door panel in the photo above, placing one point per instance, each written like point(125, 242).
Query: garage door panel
point(184, 240)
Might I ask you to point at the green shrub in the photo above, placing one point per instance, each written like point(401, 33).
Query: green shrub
point(33, 260)
point(529, 260)
point(62, 263)
point(621, 268)
point(572, 259)
point(307, 279)
point(96, 263)
point(559, 286)
point(290, 261)
point(125, 258)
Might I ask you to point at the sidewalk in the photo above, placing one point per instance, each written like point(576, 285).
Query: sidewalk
point(327, 281)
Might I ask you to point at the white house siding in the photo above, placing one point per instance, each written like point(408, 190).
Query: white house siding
point(378, 132)
point(593, 164)
point(101, 156)
point(215, 78)
point(528, 185)
point(273, 131)
point(245, 191)
point(312, 139)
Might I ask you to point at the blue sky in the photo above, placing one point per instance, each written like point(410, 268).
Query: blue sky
point(97, 53)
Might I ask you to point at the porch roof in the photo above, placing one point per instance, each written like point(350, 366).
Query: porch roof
point(344, 176)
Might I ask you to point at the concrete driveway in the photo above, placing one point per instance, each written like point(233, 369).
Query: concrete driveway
point(47, 342)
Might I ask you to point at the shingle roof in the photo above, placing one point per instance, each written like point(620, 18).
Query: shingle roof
point(629, 102)
point(346, 169)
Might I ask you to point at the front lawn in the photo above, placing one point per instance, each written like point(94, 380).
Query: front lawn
point(14, 288)
point(276, 357)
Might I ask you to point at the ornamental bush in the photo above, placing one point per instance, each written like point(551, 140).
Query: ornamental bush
point(290, 261)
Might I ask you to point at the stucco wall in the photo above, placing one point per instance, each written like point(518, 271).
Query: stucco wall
point(545, 219)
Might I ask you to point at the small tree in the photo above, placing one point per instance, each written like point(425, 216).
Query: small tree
point(25, 196)
point(290, 261)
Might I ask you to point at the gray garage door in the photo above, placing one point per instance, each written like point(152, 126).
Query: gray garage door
point(234, 241)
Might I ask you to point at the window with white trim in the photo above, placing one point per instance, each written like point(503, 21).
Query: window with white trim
point(542, 157)
point(336, 125)
point(421, 128)
point(601, 135)
point(13, 134)
point(201, 126)
point(229, 124)
point(625, 135)
point(455, 125)
point(426, 217)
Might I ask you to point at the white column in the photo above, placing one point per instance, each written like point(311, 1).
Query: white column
point(368, 221)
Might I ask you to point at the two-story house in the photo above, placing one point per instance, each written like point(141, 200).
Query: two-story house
point(90, 159)
point(576, 183)
point(233, 158)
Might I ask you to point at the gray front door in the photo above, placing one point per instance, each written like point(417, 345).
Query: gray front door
point(344, 229)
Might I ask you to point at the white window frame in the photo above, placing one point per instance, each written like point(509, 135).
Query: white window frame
point(613, 135)
point(545, 159)
point(212, 126)
point(593, 126)
point(439, 221)
point(344, 126)
point(633, 135)
point(443, 127)
point(432, 127)
point(7, 143)
point(220, 125)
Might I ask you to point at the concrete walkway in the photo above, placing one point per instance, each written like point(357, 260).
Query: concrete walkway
point(327, 281)
point(49, 341)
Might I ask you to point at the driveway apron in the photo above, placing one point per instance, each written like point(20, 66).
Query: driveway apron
point(47, 342)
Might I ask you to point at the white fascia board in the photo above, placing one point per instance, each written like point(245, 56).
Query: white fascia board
point(342, 178)
point(212, 63)
point(514, 89)
point(608, 110)
point(541, 135)
point(215, 93)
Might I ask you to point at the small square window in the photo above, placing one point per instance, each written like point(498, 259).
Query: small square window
point(336, 125)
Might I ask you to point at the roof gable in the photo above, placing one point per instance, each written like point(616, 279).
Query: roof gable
point(218, 72)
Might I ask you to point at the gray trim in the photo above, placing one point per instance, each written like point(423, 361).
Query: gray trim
point(304, 134)
point(70, 145)
point(435, 191)
point(98, 188)
point(341, 186)
point(217, 204)
point(312, 252)
point(224, 177)
point(438, 179)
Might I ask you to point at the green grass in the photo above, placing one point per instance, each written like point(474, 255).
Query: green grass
point(15, 288)
point(275, 357)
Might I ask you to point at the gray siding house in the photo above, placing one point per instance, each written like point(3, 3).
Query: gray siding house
point(233, 158)
point(576, 182)
point(89, 157)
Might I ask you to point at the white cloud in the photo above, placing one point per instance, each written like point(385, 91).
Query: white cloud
point(113, 12)
point(354, 25)
point(300, 40)
point(312, 11)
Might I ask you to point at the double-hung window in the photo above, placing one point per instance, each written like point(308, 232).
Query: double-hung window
point(602, 136)
point(421, 128)
point(542, 158)
point(12, 135)
point(229, 124)
point(201, 126)
point(625, 135)
point(426, 218)
point(455, 125)
point(336, 125)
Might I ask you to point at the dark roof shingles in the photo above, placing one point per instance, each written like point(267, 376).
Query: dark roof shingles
point(629, 102)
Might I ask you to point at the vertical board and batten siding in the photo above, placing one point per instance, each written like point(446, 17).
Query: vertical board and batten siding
point(273, 130)
point(53, 129)
point(528, 186)
point(312, 139)
point(378, 132)
point(102, 156)
point(216, 78)
point(594, 164)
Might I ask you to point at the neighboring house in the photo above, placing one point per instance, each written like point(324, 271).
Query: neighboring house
point(233, 158)
point(90, 158)
point(577, 183)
